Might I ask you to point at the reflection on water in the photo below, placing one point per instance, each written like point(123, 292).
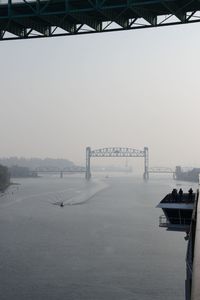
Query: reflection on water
point(104, 243)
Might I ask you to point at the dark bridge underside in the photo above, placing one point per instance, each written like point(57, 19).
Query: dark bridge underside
point(35, 19)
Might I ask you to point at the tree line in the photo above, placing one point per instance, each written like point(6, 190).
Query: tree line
point(4, 178)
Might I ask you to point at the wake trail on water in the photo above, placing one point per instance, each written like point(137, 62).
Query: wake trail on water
point(85, 195)
point(56, 198)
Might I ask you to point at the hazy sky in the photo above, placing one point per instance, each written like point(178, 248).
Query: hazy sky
point(130, 89)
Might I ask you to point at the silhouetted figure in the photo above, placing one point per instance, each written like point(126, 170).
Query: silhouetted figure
point(61, 204)
point(190, 191)
point(190, 196)
point(174, 195)
point(180, 194)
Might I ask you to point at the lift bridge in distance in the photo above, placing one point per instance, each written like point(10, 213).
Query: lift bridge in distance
point(125, 152)
point(107, 152)
point(26, 19)
point(116, 152)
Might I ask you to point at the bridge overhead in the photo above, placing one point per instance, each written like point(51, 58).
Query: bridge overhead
point(35, 19)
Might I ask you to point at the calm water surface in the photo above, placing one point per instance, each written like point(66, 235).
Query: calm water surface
point(104, 244)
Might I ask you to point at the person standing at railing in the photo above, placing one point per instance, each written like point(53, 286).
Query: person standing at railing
point(180, 194)
point(190, 196)
point(174, 195)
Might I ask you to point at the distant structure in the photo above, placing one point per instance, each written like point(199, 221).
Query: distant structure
point(189, 175)
point(60, 172)
point(21, 172)
point(162, 170)
point(117, 152)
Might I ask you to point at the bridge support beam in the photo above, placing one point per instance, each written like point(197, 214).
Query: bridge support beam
point(87, 169)
point(146, 163)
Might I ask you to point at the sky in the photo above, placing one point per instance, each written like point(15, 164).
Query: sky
point(126, 89)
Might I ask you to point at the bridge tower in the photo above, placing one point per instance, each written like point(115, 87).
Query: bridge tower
point(146, 163)
point(87, 169)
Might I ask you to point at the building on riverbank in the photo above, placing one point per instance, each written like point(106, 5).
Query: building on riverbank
point(189, 175)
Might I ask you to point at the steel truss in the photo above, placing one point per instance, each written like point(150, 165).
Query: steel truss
point(50, 18)
point(117, 152)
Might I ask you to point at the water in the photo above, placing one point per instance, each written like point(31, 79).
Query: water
point(103, 244)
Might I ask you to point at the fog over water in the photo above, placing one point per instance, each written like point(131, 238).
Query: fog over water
point(104, 243)
point(129, 89)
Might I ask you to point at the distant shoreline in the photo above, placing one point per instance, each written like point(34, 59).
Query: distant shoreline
point(3, 189)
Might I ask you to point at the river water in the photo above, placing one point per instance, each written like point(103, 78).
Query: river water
point(104, 244)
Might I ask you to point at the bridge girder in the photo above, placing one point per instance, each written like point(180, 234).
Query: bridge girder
point(48, 18)
point(117, 152)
